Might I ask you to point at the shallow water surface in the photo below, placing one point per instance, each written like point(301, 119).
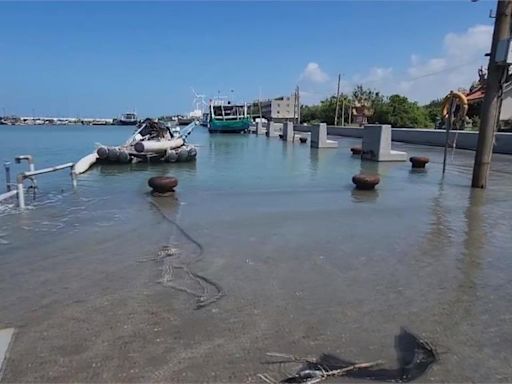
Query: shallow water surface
point(308, 264)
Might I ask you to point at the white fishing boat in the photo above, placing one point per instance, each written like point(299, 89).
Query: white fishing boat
point(151, 142)
point(129, 118)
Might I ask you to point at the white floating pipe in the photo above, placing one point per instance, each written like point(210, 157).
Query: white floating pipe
point(85, 163)
point(157, 146)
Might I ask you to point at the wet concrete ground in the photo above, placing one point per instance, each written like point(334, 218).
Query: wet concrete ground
point(308, 266)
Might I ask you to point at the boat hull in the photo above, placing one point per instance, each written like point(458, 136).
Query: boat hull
point(233, 126)
point(129, 122)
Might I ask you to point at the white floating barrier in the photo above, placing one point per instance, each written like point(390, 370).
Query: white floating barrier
point(157, 146)
point(85, 163)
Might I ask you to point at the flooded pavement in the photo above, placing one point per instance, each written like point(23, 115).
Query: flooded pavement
point(308, 265)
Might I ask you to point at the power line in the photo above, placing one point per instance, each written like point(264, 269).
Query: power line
point(441, 71)
point(445, 70)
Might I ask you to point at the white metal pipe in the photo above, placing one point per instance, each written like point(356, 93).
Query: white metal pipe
point(7, 195)
point(47, 170)
point(29, 160)
point(7, 167)
point(21, 196)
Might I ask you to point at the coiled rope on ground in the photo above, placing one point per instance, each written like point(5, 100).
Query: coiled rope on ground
point(166, 254)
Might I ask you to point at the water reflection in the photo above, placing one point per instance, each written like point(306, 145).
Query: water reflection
point(228, 142)
point(169, 206)
point(154, 168)
point(381, 168)
point(418, 171)
point(320, 158)
point(464, 297)
point(475, 238)
point(440, 232)
point(359, 196)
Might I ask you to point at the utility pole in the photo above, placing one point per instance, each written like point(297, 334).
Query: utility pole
point(337, 101)
point(298, 104)
point(342, 110)
point(259, 104)
point(489, 116)
point(350, 113)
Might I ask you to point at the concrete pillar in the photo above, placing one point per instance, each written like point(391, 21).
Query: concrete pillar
point(319, 137)
point(377, 144)
point(260, 130)
point(288, 133)
point(273, 129)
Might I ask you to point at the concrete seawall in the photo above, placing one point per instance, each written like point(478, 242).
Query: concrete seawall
point(433, 137)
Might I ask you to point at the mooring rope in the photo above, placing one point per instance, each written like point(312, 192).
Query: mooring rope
point(202, 299)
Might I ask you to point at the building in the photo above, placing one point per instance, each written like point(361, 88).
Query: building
point(280, 109)
point(476, 94)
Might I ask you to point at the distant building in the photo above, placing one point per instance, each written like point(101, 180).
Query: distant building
point(280, 109)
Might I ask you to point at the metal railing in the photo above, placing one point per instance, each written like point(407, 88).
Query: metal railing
point(30, 174)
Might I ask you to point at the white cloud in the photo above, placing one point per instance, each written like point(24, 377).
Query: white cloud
point(456, 68)
point(314, 84)
point(423, 79)
point(473, 42)
point(427, 78)
point(314, 74)
point(377, 74)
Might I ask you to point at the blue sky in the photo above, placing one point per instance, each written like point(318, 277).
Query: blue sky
point(104, 58)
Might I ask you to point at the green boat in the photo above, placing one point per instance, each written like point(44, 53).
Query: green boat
point(228, 118)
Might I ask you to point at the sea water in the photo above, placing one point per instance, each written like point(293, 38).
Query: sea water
point(308, 265)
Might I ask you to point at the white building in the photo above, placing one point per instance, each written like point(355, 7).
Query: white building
point(280, 109)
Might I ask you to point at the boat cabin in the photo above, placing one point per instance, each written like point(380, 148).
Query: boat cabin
point(228, 112)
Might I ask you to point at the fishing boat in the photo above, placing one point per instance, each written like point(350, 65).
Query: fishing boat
point(228, 118)
point(152, 141)
point(129, 118)
point(185, 120)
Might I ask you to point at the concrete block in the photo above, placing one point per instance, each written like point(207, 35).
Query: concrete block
point(260, 130)
point(274, 129)
point(288, 133)
point(377, 144)
point(319, 137)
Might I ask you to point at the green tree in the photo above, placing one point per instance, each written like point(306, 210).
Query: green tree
point(400, 112)
point(309, 114)
point(327, 110)
point(367, 95)
point(433, 110)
